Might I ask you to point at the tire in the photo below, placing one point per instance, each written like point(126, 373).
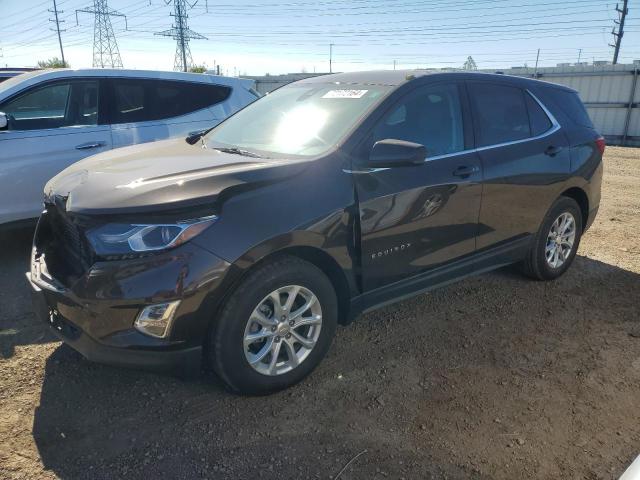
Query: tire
point(536, 265)
point(246, 313)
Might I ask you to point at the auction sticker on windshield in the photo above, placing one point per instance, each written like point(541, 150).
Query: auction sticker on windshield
point(344, 93)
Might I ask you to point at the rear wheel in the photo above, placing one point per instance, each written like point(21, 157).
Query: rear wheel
point(556, 243)
point(275, 328)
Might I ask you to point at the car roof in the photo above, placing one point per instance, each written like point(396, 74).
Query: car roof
point(19, 82)
point(395, 78)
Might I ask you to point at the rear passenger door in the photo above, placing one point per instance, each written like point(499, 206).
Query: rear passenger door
point(525, 159)
point(145, 110)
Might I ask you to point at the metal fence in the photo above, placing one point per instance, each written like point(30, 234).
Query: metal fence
point(610, 93)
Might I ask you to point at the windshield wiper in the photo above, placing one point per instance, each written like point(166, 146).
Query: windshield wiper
point(238, 151)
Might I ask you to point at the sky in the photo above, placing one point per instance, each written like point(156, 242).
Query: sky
point(254, 37)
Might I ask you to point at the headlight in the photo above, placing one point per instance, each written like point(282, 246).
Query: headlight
point(127, 238)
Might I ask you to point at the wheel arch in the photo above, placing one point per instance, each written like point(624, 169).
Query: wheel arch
point(581, 198)
point(312, 253)
point(329, 266)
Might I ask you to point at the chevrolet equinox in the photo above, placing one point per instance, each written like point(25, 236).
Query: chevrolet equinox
point(242, 249)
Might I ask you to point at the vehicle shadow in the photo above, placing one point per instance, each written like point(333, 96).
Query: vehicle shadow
point(95, 421)
point(18, 325)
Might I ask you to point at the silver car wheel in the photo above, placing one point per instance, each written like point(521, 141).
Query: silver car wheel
point(560, 240)
point(282, 330)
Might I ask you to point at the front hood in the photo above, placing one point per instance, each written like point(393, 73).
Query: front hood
point(159, 176)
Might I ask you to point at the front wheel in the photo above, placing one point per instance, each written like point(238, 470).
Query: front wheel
point(275, 328)
point(556, 243)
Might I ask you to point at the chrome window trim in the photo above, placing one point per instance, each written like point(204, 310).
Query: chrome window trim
point(555, 126)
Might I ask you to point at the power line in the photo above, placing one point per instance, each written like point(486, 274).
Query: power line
point(181, 32)
point(55, 11)
point(528, 15)
point(105, 47)
point(335, 12)
point(29, 12)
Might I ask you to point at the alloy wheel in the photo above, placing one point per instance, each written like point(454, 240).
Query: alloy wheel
point(282, 330)
point(560, 240)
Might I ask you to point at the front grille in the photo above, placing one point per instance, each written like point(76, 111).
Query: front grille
point(68, 254)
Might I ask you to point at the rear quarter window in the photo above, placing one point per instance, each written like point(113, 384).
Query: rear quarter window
point(573, 107)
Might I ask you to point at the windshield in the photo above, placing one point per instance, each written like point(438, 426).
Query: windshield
point(304, 119)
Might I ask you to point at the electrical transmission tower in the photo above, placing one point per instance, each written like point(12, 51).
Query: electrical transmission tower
point(105, 47)
point(57, 21)
point(617, 36)
point(470, 64)
point(182, 34)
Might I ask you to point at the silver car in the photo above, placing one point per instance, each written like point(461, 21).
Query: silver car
point(50, 119)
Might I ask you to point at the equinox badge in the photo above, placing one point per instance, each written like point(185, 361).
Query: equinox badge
point(390, 251)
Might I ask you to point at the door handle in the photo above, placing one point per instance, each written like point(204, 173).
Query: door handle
point(464, 171)
point(552, 150)
point(88, 145)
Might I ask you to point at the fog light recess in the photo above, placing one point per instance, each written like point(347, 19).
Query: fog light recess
point(155, 320)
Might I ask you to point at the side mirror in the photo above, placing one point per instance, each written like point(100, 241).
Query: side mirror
point(4, 121)
point(396, 153)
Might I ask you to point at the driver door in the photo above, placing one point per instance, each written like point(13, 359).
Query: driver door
point(50, 127)
point(416, 218)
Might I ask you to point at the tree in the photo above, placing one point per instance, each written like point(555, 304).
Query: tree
point(470, 64)
point(54, 62)
point(198, 69)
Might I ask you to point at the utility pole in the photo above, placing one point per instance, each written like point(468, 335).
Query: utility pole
point(182, 34)
point(331, 58)
point(622, 14)
point(535, 72)
point(394, 64)
point(55, 11)
point(105, 47)
point(579, 55)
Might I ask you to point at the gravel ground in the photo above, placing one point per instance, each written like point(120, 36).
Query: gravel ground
point(494, 377)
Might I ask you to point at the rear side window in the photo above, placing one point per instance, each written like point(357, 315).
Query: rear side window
point(130, 105)
point(500, 112)
point(538, 119)
point(572, 106)
point(145, 100)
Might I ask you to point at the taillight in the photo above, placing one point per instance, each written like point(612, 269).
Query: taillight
point(601, 144)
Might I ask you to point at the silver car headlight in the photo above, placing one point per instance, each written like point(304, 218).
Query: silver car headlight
point(128, 238)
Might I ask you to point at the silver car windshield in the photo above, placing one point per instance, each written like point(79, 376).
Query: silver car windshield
point(304, 120)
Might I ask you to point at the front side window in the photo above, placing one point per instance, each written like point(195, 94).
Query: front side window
point(298, 119)
point(53, 106)
point(430, 116)
point(500, 112)
point(145, 99)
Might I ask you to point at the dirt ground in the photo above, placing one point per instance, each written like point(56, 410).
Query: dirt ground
point(496, 377)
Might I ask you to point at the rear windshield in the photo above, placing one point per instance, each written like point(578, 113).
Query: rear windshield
point(298, 119)
point(572, 106)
